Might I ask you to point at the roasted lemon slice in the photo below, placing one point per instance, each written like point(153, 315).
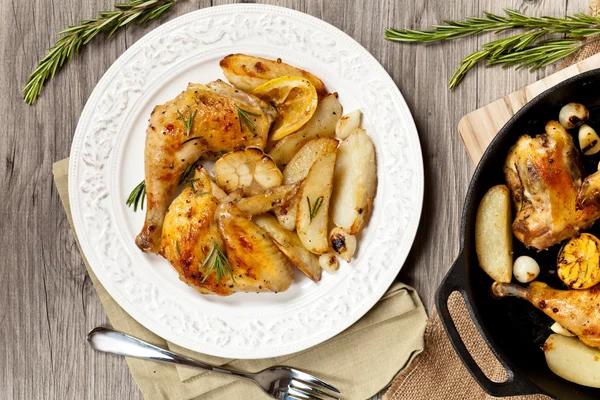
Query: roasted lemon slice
point(295, 99)
point(249, 169)
point(579, 262)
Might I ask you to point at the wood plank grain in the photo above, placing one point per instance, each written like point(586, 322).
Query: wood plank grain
point(47, 304)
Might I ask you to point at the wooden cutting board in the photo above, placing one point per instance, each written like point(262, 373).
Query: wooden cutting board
point(479, 127)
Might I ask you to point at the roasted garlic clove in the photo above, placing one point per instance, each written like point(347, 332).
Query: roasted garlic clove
point(249, 169)
point(525, 269)
point(329, 262)
point(558, 328)
point(589, 142)
point(572, 115)
point(348, 124)
point(342, 243)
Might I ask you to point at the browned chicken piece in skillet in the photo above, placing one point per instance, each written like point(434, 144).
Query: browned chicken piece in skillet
point(197, 226)
point(576, 310)
point(545, 177)
point(211, 114)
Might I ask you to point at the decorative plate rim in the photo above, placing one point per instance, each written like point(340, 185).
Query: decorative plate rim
point(123, 286)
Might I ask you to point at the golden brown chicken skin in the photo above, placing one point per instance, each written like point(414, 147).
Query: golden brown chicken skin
point(545, 178)
point(202, 217)
point(576, 310)
point(189, 233)
point(258, 265)
point(212, 113)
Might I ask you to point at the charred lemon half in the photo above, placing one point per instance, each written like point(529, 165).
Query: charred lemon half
point(296, 101)
point(579, 262)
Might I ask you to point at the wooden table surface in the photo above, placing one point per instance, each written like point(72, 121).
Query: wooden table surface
point(47, 303)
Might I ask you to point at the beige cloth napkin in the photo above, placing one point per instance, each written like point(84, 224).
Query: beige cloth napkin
point(438, 373)
point(360, 361)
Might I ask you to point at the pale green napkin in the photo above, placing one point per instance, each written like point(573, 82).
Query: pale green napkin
point(360, 361)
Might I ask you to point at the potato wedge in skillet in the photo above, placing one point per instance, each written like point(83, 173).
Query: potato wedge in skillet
point(493, 234)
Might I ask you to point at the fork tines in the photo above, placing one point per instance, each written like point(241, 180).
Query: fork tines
point(302, 388)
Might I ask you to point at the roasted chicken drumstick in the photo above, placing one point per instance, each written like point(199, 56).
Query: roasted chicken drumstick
point(203, 119)
point(575, 310)
point(552, 199)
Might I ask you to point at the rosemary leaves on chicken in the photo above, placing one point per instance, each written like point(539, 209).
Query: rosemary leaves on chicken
point(137, 196)
point(74, 37)
point(243, 117)
point(314, 208)
point(531, 49)
point(216, 261)
point(187, 122)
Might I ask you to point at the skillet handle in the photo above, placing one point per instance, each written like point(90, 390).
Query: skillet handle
point(455, 280)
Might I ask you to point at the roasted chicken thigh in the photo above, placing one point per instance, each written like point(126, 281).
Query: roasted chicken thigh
point(202, 120)
point(552, 200)
point(202, 218)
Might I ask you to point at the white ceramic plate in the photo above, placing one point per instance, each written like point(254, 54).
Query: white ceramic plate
point(107, 162)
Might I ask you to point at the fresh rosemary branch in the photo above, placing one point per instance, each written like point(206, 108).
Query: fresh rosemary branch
point(576, 26)
point(314, 208)
point(522, 50)
point(243, 117)
point(189, 121)
point(73, 38)
point(216, 261)
point(137, 196)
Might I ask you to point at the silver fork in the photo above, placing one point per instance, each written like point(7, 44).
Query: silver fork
point(280, 383)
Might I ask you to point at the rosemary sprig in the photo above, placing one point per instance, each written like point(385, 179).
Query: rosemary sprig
point(190, 183)
point(177, 248)
point(243, 117)
point(314, 208)
point(137, 196)
point(576, 26)
point(216, 261)
point(73, 38)
point(190, 139)
point(189, 121)
point(188, 170)
point(522, 50)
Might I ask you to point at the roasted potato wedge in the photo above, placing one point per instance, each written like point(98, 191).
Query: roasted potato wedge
point(493, 234)
point(248, 72)
point(297, 170)
point(348, 124)
point(290, 245)
point(298, 167)
point(572, 360)
point(265, 202)
point(313, 206)
point(322, 124)
point(355, 182)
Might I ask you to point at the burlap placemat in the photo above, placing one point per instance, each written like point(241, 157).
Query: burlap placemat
point(361, 361)
point(438, 373)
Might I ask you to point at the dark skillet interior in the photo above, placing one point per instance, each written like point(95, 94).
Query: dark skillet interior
point(516, 329)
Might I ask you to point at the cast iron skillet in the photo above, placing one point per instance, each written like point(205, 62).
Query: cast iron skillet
point(513, 329)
